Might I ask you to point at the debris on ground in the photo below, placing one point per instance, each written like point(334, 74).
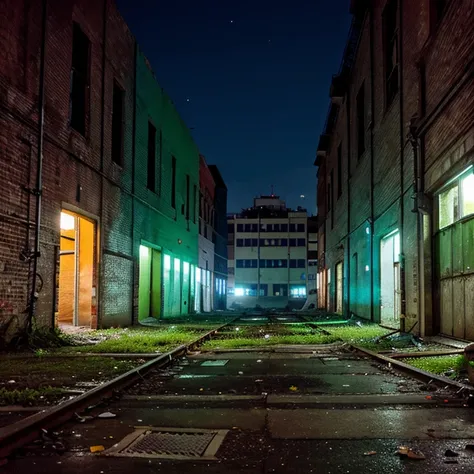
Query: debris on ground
point(370, 453)
point(107, 414)
point(96, 449)
point(410, 453)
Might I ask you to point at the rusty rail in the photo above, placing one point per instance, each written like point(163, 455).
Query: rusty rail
point(24, 431)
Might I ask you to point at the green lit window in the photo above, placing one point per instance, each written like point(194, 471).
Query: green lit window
point(467, 192)
point(457, 200)
point(448, 207)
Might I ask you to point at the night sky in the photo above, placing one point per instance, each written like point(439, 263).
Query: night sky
point(251, 80)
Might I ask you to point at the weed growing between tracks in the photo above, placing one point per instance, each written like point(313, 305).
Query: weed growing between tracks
point(292, 334)
point(452, 366)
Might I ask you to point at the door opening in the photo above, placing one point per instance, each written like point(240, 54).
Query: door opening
point(77, 268)
point(390, 294)
point(149, 283)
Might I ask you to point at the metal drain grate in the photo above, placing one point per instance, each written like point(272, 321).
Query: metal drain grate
point(169, 443)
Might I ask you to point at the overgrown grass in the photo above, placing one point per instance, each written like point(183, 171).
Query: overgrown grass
point(139, 340)
point(439, 364)
point(297, 334)
point(28, 396)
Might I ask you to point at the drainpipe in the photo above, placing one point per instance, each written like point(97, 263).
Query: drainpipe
point(348, 243)
point(418, 189)
point(402, 158)
point(39, 171)
point(372, 119)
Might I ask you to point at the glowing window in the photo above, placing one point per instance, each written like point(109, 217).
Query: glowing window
point(67, 221)
point(239, 292)
point(143, 251)
point(167, 262)
point(297, 291)
point(177, 266)
point(198, 275)
point(467, 190)
point(186, 268)
point(448, 207)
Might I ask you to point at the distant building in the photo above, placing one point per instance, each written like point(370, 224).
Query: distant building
point(312, 255)
point(268, 248)
point(211, 276)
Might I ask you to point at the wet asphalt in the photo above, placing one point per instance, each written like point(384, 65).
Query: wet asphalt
point(319, 411)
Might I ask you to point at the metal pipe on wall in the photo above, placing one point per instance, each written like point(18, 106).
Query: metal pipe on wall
point(39, 170)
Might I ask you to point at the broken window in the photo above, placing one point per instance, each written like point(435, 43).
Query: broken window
point(79, 80)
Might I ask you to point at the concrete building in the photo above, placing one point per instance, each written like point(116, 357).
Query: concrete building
point(98, 220)
point(395, 210)
point(312, 277)
point(267, 255)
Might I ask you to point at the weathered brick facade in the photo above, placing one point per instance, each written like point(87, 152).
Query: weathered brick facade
point(80, 172)
point(415, 141)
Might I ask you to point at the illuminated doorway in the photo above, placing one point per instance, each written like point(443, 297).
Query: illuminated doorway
point(149, 283)
point(77, 266)
point(390, 294)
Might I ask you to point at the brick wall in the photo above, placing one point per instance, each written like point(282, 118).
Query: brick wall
point(79, 172)
point(380, 185)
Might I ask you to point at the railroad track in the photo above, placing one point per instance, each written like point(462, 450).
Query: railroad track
point(273, 380)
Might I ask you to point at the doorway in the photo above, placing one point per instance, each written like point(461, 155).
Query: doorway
point(149, 283)
point(339, 288)
point(77, 267)
point(390, 294)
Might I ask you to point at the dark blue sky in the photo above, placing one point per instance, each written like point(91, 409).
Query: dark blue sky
point(251, 79)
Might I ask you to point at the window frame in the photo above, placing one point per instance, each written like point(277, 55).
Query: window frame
point(455, 182)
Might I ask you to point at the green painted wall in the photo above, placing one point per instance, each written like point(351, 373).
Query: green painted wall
point(156, 222)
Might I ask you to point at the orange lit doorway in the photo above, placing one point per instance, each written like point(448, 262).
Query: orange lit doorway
point(75, 282)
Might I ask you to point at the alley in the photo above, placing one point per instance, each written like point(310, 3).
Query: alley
point(318, 408)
